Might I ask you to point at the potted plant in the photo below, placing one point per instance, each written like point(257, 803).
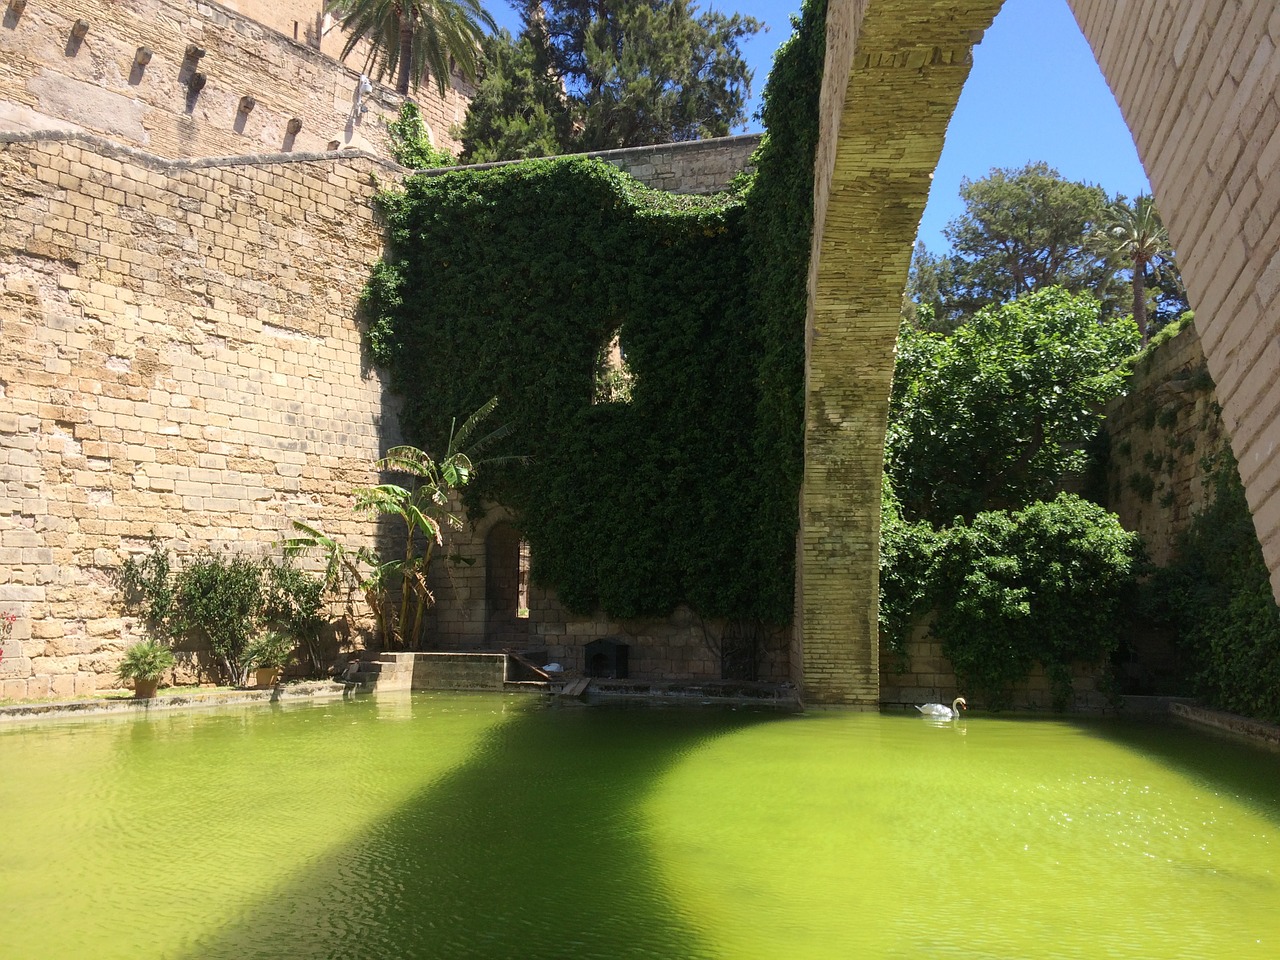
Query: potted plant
point(267, 655)
point(145, 663)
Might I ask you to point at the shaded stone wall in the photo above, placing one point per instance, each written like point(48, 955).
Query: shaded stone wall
point(925, 675)
point(1160, 434)
point(679, 647)
point(1199, 85)
point(48, 80)
point(180, 359)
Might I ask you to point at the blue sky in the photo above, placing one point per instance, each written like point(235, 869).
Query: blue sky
point(1035, 93)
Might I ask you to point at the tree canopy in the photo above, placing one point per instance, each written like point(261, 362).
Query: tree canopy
point(992, 415)
point(410, 38)
point(1030, 228)
point(589, 75)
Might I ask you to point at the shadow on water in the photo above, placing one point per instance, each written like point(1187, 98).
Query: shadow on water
point(1247, 772)
point(536, 847)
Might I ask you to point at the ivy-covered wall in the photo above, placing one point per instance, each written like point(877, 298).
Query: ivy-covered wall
point(514, 282)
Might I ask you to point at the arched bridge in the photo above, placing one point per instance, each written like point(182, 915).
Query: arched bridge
point(1199, 85)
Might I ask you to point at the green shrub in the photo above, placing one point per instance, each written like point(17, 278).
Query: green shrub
point(1047, 583)
point(220, 599)
point(1217, 597)
point(227, 601)
point(147, 660)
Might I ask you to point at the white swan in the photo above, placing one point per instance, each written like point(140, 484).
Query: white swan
point(942, 711)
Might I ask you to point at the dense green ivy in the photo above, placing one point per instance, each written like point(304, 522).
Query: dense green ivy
point(511, 281)
point(1217, 597)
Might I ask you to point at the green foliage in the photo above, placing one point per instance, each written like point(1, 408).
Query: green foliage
point(907, 553)
point(411, 145)
point(408, 39)
point(600, 75)
point(292, 600)
point(1024, 230)
point(147, 582)
point(519, 110)
point(991, 416)
point(1217, 597)
point(424, 507)
point(686, 493)
point(269, 649)
point(1047, 583)
point(226, 601)
point(219, 599)
point(147, 660)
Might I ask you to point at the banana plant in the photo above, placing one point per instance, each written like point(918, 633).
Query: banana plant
point(424, 505)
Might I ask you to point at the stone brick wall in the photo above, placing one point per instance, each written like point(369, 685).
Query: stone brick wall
point(1160, 434)
point(692, 166)
point(180, 359)
point(678, 647)
point(1202, 99)
point(926, 676)
point(48, 80)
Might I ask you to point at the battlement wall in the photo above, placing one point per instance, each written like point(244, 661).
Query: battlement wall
point(303, 99)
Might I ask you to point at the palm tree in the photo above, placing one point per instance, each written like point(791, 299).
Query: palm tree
point(1136, 234)
point(409, 38)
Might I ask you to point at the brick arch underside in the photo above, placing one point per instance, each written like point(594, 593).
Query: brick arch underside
point(1198, 88)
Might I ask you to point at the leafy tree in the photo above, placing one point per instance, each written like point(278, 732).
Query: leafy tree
point(1024, 230)
point(1134, 233)
point(409, 38)
point(519, 109)
point(602, 74)
point(991, 416)
point(1047, 583)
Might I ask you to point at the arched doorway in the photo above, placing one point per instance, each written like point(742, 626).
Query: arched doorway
point(506, 586)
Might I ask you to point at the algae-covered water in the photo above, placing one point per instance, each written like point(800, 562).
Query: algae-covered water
point(507, 827)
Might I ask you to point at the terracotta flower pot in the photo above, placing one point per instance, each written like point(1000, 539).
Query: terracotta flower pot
point(267, 676)
point(146, 689)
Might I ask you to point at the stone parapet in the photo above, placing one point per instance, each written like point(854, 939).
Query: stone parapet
point(214, 82)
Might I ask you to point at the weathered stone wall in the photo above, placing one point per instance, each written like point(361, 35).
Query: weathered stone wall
point(49, 80)
point(180, 359)
point(679, 647)
point(1199, 85)
point(925, 675)
point(1161, 433)
point(894, 72)
point(691, 166)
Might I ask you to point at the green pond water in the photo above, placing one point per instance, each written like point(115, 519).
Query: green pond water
point(510, 827)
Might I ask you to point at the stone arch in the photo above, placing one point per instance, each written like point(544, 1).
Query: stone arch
point(1199, 86)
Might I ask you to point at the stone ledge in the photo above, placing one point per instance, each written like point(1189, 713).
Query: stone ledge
point(1258, 731)
point(119, 151)
point(310, 690)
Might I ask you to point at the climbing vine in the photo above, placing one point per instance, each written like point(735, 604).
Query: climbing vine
point(1217, 597)
point(509, 282)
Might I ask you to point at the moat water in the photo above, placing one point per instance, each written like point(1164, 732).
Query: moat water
point(507, 827)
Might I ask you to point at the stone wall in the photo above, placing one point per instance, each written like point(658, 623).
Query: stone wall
point(49, 80)
point(180, 359)
point(1202, 98)
point(691, 166)
point(679, 647)
point(1160, 434)
point(925, 675)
